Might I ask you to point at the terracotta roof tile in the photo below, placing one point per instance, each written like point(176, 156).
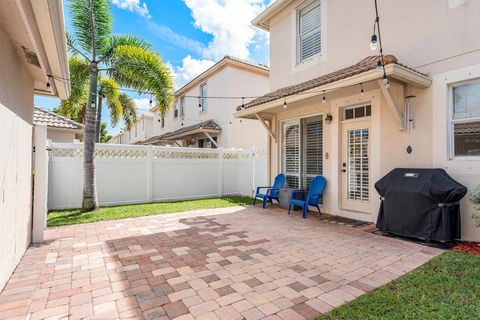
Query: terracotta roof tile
point(53, 120)
point(364, 65)
point(209, 125)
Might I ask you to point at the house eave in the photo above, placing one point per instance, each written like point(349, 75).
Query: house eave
point(394, 71)
point(262, 21)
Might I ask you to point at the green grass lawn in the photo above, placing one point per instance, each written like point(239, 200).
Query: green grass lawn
point(448, 287)
point(74, 216)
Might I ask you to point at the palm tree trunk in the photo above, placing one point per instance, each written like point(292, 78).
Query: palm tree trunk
point(90, 201)
point(99, 119)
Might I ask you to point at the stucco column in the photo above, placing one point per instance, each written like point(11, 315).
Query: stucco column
point(40, 183)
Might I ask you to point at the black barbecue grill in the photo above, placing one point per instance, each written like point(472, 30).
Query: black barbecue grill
point(420, 203)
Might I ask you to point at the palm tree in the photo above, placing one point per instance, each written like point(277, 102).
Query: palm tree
point(127, 60)
point(120, 105)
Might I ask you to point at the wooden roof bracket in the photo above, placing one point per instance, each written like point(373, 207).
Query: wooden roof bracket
point(269, 130)
point(211, 139)
point(389, 98)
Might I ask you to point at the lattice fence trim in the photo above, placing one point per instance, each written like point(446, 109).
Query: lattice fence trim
point(172, 154)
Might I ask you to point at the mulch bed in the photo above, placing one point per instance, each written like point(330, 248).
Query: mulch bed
point(467, 247)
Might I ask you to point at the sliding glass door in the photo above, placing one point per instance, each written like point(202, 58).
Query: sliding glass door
point(302, 150)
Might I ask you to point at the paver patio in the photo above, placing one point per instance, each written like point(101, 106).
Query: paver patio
point(229, 263)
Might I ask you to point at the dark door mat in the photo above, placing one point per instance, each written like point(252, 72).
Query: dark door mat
point(345, 221)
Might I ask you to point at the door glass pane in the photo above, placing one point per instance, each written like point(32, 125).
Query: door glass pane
point(291, 153)
point(358, 166)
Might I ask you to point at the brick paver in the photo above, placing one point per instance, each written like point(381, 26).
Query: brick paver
point(207, 264)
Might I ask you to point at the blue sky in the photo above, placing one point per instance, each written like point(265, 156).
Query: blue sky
point(190, 35)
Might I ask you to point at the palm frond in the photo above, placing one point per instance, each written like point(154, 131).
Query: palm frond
point(112, 94)
point(125, 40)
point(143, 70)
point(73, 107)
point(92, 23)
point(129, 110)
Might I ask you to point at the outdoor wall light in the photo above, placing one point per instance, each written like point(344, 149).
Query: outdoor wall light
point(328, 118)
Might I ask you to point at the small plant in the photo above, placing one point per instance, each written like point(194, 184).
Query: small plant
point(475, 199)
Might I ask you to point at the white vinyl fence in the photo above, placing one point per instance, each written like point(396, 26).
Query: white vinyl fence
point(141, 174)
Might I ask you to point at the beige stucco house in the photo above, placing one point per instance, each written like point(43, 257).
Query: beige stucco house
point(330, 113)
point(59, 129)
point(32, 46)
point(139, 131)
point(202, 117)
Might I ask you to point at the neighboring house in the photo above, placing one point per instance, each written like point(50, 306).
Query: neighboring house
point(332, 115)
point(32, 46)
point(59, 129)
point(202, 117)
point(139, 132)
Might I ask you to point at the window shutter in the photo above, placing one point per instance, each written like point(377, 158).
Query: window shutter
point(310, 35)
point(313, 150)
point(291, 153)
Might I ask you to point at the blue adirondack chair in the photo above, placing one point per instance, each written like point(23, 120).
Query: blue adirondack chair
point(313, 196)
point(271, 192)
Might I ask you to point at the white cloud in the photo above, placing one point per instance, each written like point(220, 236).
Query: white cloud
point(142, 104)
point(229, 22)
point(133, 6)
point(189, 69)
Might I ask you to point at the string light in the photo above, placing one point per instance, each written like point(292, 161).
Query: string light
point(243, 102)
point(285, 104)
point(199, 103)
point(373, 43)
point(386, 82)
point(48, 81)
point(324, 99)
point(361, 89)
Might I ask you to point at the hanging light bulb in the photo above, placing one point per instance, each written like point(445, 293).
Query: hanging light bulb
point(386, 82)
point(374, 42)
point(361, 89)
point(379, 64)
point(150, 102)
point(48, 82)
point(285, 104)
point(243, 103)
point(324, 99)
point(199, 103)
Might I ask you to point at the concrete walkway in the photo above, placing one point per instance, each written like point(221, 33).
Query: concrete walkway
point(230, 263)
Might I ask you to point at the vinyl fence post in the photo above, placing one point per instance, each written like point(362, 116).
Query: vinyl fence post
point(253, 153)
point(150, 173)
point(40, 183)
point(220, 172)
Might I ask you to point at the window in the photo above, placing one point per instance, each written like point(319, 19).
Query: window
point(203, 97)
point(357, 112)
point(175, 111)
point(143, 125)
point(309, 36)
point(465, 121)
point(200, 143)
point(182, 106)
point(136, 130)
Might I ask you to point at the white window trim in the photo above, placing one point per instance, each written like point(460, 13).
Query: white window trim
point(451, 122)
point(297, 65)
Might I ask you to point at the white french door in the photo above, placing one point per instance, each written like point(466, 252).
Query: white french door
point(302, 150)
point(355, 166)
